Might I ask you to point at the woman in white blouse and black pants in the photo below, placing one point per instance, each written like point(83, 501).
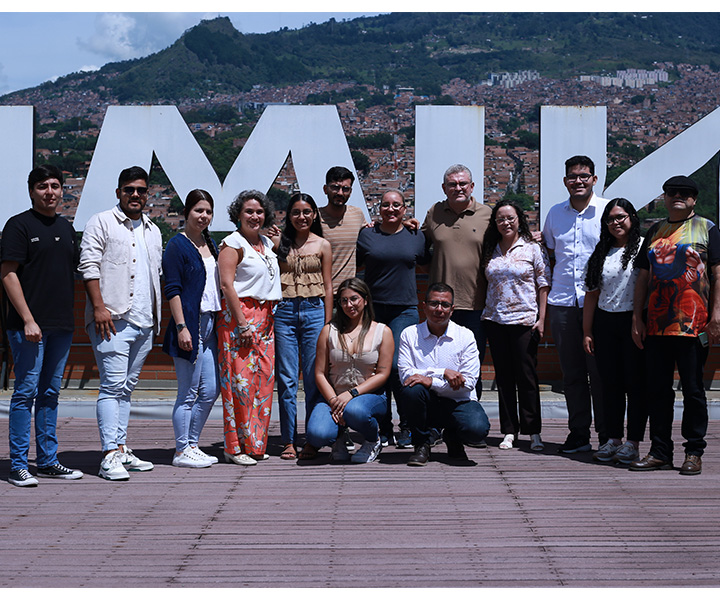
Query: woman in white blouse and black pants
point(607, 322)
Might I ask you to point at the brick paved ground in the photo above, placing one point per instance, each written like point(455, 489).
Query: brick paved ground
point(508, 519)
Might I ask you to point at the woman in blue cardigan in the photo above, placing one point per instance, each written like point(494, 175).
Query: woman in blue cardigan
point(193, 292)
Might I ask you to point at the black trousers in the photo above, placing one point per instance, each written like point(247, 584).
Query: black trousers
point(514, 354)
point(622, 368)
point(663, 352)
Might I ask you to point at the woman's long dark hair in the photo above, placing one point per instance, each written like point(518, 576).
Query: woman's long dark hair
point(192, 199)
point(593, 277)
point(289, 233)
point(341, 321)
point(492, 235)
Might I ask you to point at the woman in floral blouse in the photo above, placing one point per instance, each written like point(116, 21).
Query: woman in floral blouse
point(518, 274)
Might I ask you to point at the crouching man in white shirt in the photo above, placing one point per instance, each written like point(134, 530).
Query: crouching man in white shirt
point(439, 366)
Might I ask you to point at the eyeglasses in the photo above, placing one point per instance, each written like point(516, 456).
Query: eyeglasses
point(618, 219)
point(130, 190)
point(584, 177)
point(436, 303)
point(395, 205)
point(501, 220)
point(335, 187)
point(345, 300)
point(682, 192)
point(457, 184)
point(306, 212)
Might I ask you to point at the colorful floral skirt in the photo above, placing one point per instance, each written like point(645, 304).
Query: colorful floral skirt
point(247, 377)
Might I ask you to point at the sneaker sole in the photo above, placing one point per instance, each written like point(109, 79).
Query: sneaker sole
point(22, 483)
point(110, 478)
point(60, 476)
point(139, 469)
point(416, 464)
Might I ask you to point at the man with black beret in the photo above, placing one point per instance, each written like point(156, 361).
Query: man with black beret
point(679, 277)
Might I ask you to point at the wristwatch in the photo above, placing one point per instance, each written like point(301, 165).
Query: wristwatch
point(180, 327)
point(354, 393)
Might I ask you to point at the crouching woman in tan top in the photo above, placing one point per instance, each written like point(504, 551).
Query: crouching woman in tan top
point(352, 364)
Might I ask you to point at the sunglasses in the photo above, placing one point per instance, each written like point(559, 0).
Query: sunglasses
point(130, 190)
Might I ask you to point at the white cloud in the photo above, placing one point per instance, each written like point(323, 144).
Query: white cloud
point(124, 36)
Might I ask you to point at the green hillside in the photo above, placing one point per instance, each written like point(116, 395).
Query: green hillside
point(423, 50)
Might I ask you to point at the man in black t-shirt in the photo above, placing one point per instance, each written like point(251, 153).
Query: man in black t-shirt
point(38, 257)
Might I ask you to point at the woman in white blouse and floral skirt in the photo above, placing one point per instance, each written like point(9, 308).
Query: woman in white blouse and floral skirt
point(518, 275)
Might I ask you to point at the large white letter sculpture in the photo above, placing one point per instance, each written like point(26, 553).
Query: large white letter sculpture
point(314, 137)
point(129, 135)
point(564, 132)
point(444, 136)
point(16, 157)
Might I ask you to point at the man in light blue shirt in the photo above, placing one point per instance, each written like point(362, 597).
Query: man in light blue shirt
point(438, 364)
point(571, 232)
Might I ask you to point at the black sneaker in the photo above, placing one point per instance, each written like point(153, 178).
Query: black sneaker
point(403, 439)
point(435, 438)
point(57, 471)
point(347, 440)
point(22, 478)
point(575, 444)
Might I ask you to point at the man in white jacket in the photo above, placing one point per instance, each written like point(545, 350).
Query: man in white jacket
point(121, 264)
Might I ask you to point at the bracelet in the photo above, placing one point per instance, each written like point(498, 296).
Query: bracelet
point(244, 329)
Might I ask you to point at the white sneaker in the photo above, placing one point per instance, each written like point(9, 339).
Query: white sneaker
point(368, 452)
point(339, 451)
point(132, 462)
point(507, 442)
point(536, 443)
point(111, 467)
point(196, 449)
point(188, 458)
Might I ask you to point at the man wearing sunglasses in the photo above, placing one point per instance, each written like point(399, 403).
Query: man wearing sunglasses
point(439, 366)
point(571, 232)
point(121, 264)
point(679, 264)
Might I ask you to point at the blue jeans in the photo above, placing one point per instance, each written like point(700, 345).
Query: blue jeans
point(471, 319)
point(361, 414)
point(464, 422)
point(298, 322)
point(397, 317)
point(198, 387)
point(39, 368)
point(119, 360)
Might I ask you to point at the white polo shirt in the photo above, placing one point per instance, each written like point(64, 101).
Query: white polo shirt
point(572, 235)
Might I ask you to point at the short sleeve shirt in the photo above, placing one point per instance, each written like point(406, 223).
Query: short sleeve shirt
point(678, 255)
point(47, 251)
point(342, 234)
point(457, 241)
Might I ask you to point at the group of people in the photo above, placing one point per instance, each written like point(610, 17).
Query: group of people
point(268, 304)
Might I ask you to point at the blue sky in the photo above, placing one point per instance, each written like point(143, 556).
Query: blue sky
point(39, 46)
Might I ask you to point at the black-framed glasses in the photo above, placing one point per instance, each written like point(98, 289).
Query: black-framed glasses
point(130, 190)
point(458, 184)
point(435, 303)
point(336, 187)
point(618, 219)
point(584, 177)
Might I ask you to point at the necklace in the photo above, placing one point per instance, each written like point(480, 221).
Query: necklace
point(192, 241)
